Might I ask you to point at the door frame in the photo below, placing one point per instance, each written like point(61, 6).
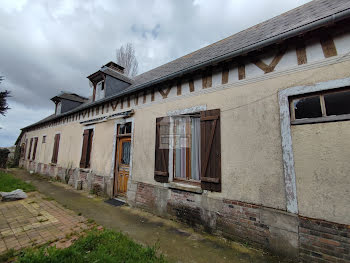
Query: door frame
point(114, 148)
point(118, 153)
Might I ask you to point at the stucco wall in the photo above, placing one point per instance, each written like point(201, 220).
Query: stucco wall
point(251, 144)
point(252, 168)
point(322, 167)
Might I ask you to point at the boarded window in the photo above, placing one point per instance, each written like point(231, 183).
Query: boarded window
point(55, 148)
point(30, 148)
point(35, 147)
point(86, 149)
point(23, 150)
point(197, 149)
point(322, 106)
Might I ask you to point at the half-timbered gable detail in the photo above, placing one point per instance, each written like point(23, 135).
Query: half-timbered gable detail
point(247, 138)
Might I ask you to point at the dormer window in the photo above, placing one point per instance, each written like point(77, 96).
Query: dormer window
point(67, 101)
point(58, 108)
point(109, 80)
point(100, 90)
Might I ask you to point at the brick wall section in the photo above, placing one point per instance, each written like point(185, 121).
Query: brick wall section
point(241, 221)
point(183, 206)
point(89, 181)
point(145, 196)
point(321, 241)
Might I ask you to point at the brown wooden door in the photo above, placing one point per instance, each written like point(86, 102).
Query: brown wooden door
point(122, 167)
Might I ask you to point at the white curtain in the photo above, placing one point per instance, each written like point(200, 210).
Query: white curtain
point(187, 134)
point(195, 149)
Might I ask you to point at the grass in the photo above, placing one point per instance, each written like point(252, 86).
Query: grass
point(97, 246)
point(9, 183)
point(8, 256)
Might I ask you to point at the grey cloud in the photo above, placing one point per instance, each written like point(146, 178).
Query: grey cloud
point(49, 46)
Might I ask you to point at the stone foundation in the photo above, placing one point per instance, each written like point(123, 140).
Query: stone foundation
point(80, 179)
point(278, 231)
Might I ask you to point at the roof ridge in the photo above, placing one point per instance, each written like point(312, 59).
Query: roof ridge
point(228, 37)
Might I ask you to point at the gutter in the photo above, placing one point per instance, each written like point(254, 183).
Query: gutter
point(258, 45)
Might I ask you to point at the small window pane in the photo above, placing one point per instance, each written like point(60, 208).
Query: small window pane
point(121, 129)
point(309, 107)
point(126, 153)
point(337, 103)
point(128, 127)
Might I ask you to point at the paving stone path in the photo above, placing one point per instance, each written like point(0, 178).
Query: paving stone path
point(177, 242)
point(36, 221)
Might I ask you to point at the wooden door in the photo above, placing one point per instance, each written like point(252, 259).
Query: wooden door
point(122, 167)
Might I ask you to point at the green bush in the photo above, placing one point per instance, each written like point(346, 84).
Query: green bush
point(9, 183)
point(98, 246)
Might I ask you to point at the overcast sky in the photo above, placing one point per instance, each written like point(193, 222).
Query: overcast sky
point(51, 46)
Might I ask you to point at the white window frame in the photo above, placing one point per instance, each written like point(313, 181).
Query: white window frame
point(285, 125)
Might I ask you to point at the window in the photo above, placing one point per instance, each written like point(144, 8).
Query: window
point(23, 150)
point(35, 146)
point(30, 148)
point(44, 139)
point(100, 90)
point(86, 149)
point(58, 108)
point(187, 148)
point(197, 149)
point(124, 129)
point(56, 145)
point(321, 107)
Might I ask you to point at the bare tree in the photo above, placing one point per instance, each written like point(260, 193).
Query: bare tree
point(126, 58)
point(3, 100)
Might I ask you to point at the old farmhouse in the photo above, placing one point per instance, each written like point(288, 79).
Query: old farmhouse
point(248, 137)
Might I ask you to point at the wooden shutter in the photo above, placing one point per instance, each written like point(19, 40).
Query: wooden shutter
point(86, 149)
point(88, 155)
point(35, 146)
point(161, 173)
point(30, 148)
point(210, 150)
point(55, 148)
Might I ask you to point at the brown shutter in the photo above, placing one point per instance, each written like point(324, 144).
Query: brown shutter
point(161, 173)
point(84, 149)
point(88, 155)
point(35, 146)
point(210, 150)
point(30, 148)
point(55, 148)
point(25, 148)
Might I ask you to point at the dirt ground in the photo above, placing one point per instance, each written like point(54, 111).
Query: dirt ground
point(176, 241)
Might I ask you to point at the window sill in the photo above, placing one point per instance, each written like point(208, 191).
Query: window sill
point(186, 187)
point(321, 119)
point(85, 170)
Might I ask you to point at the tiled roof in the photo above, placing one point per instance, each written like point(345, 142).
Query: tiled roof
point(288, 21)
point(292, 20)
point(116, 75)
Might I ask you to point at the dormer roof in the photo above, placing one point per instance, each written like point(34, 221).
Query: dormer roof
point(112, 69)
point(69, 96)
